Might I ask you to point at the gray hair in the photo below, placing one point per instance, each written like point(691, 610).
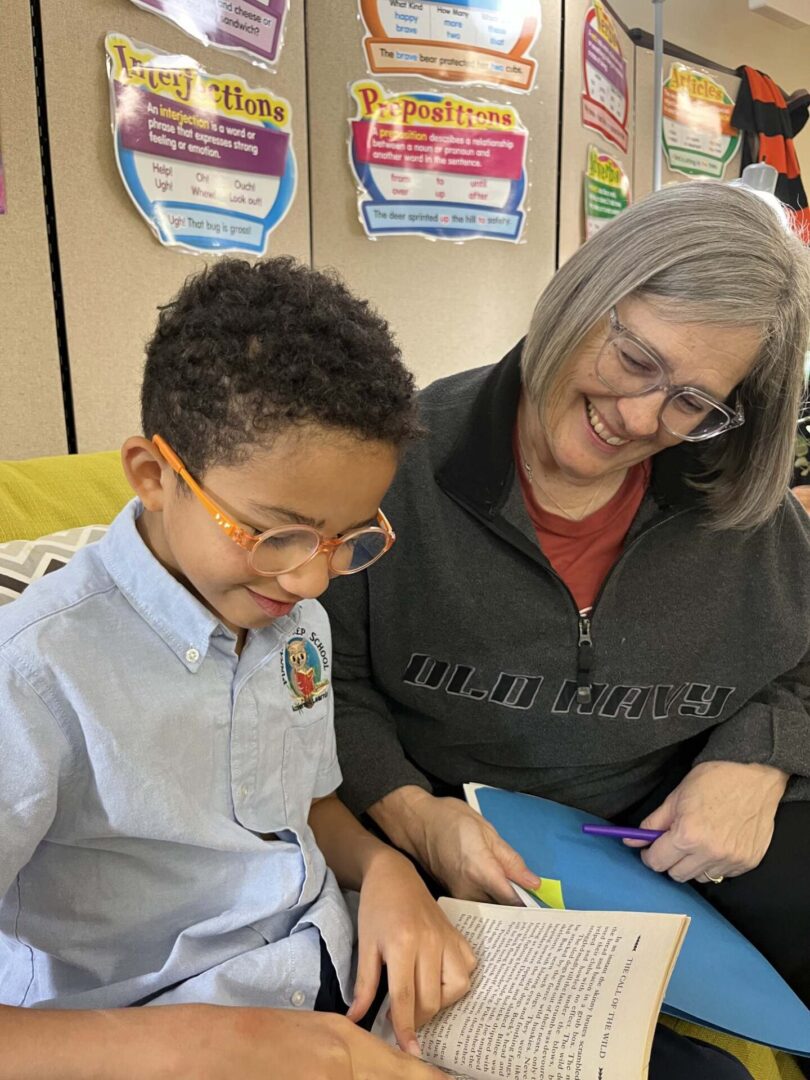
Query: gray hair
point(705, 252)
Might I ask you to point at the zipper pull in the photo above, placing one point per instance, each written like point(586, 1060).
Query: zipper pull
point(584, 661)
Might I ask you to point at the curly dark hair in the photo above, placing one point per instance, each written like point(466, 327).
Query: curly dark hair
point(246, 350)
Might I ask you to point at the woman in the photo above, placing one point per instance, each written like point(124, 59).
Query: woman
point(595, 597)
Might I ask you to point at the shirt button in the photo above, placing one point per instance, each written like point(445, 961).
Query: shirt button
point(298, 998)
point(244, 791)
point(192, 655)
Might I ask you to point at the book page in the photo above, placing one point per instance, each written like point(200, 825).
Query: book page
point(384, 1030)
point(557, 995)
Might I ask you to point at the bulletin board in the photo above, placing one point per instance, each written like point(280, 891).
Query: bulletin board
point(577, 139)
point(115, 272)
point(33, 421)
point(451, 305)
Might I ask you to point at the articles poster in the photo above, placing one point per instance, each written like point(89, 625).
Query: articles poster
point(251, 28)
point(207, 159)
point(605, 94)
point(437, 165)
point(698, 137)
point(462, 41)
point(607, 190)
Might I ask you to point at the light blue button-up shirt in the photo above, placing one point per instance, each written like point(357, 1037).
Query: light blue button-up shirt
point(141, 764)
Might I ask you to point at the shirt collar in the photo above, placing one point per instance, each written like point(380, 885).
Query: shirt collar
point(184, 623)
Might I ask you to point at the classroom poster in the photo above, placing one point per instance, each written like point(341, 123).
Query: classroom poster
point(605, 93)
point(207, 159)
point(460, 41)
point(607, 190)
point(437, 165)
point(253, 29)
point(697, 133)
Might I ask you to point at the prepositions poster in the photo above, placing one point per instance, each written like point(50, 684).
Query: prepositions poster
point(252, 28)
point(697, 133)
point(437, 165)
point(207, 159)
point(605, 93)
point(465, 41)
point(607, 190)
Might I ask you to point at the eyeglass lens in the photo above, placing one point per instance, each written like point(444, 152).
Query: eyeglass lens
point(287, 549)
point(628, 369)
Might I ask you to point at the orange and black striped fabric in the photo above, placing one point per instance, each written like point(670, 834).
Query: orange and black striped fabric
point(763, 114)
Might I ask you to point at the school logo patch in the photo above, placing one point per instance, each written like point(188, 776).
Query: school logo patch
point(303, 663)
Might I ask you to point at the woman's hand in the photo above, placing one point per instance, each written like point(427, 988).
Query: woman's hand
point(400, 925)
point(718, 821)
point(454, 844)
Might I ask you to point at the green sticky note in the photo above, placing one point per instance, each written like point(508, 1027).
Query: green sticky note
point(550, 893)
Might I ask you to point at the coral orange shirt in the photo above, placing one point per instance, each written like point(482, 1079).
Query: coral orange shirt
point(583, 552)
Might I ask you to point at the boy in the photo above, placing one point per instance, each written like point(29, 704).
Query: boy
point(168, 770)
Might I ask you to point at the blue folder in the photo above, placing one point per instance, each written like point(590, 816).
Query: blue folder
point(720, 979)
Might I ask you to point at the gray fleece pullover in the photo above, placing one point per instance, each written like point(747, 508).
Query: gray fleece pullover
point(461, 656)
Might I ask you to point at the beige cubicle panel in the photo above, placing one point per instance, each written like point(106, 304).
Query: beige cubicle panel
point(33, 420)
point(451, 305)
point(643, 171)
point(576, 138)
point(115, 272)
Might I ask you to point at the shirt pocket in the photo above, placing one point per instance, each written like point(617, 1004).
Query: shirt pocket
point(303, 749)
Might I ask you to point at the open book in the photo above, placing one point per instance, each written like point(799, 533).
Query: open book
point(557, 995)
point(721, 979)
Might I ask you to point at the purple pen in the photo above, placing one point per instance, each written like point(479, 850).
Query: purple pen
point(619, 832)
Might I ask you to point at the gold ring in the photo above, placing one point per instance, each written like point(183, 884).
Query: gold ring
point(713, 880)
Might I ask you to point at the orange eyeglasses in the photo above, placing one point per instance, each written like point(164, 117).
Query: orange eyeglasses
point(289, 547)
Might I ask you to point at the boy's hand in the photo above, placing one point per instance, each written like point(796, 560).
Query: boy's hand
point(400, 925)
